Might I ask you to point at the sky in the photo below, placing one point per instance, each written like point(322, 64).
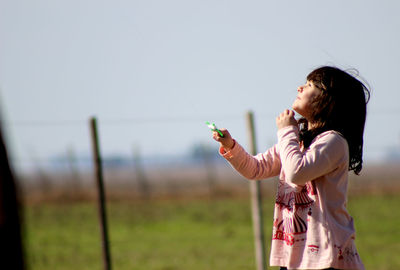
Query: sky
point(154, 71)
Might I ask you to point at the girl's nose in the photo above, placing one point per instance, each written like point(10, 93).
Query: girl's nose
point(300, 89)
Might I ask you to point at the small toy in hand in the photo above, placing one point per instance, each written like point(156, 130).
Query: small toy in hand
point(213, 127)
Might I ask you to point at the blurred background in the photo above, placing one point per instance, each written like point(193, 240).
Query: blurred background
point(153, 72)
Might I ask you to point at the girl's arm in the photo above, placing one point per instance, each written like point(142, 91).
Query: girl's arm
point(327, 152)
point(261, 166)
point(257, 167)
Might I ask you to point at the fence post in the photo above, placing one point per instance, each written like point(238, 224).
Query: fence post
point(256, 208)
point(11, 244)
point(101, 196)
point(143, 183)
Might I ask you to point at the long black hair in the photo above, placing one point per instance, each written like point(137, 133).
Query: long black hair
point(341, 106)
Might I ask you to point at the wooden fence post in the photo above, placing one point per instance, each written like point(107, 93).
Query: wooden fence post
point(11, 245)
point(101, 197)
point(258, 226)
point(143, 183)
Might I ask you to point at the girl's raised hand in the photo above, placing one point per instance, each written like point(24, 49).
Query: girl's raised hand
point(286, 118)
point(226, 142)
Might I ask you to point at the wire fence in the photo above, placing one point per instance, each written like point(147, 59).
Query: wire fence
point(143, 153)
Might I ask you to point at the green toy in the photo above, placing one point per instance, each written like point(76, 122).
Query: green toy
point(213, 127)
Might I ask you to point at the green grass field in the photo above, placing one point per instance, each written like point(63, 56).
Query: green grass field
point(186, 234)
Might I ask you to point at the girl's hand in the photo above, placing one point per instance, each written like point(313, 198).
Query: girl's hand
point(286, 118)
point(226, 142)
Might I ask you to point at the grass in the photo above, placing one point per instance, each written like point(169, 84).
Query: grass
point(191, 234)
point(377, 221)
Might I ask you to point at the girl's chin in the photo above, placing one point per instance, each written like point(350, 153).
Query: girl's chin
point(297, 111)
point(294, 108)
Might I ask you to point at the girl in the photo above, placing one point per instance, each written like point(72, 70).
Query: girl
point(312, 228)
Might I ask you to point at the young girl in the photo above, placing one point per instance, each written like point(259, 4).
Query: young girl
point(312, 228)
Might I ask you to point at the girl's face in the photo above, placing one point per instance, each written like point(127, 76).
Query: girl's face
point(305, 97)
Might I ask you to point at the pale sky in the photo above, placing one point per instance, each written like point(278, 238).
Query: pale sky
point(154, 71)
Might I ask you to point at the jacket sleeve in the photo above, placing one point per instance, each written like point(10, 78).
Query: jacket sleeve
point(257, 167)
point(327, 152)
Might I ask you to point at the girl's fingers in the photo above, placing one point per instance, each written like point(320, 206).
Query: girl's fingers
point(216, 136)
point(286, 118)
point(286, 112)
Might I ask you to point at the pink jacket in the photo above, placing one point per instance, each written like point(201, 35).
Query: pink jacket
point(312, 228)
